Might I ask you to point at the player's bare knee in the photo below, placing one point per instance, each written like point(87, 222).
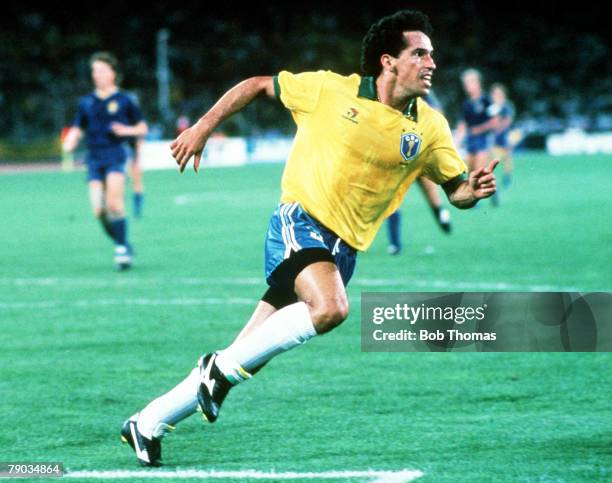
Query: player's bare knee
point(330, 314)
point(115, 209)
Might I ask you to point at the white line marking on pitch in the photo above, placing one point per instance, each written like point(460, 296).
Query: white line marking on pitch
point(52, 304)
point(215, 197)
point(364, 283)
point(88, 282)
point(371, 475)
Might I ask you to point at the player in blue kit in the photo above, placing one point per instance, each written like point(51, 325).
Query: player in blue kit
point(109, 118)
point(477, 122)
point(502, 147)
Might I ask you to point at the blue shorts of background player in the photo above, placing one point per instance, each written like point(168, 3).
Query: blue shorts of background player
point(294, 240)
point(477, 144)
point(102, 161)
point(501, 140)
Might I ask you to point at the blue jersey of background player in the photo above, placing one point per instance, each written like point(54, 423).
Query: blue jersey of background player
point(108, 118)
point(95, 116)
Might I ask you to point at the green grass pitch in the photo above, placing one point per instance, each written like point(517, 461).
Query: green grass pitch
point(83, 346)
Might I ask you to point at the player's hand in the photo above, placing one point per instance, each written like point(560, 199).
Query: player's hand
point(119, 129)
point(482, 181)
point(189, 143)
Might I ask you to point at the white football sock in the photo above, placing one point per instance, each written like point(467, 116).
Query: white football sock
point(164, 412)
point(283, 330)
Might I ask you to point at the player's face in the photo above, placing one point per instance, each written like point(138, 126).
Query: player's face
point(103, 75)
point(415, 65)
point(498, 95)
point(471, 85)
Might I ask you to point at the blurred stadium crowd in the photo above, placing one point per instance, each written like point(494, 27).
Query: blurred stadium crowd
point(553, 58)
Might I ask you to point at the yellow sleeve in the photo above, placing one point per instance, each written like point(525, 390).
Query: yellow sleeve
point(443, 162)
point(299, 92)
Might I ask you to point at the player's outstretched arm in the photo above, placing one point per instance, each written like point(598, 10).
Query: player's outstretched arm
point(191, 142)
point(480, 184)
point(72, 139)
point(124, 130)
point(490, 125)
point(504, 123)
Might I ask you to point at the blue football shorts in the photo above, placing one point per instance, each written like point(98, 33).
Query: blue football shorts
point(476, 144)
point(501, 139)
point(291, 230)
point(102, 161)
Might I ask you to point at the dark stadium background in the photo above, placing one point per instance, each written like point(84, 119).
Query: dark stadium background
point(554, 58)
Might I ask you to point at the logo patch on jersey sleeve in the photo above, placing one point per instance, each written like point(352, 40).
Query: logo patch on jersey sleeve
point(410, 146)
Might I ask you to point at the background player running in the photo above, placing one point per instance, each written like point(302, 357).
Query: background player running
point(477, 121)
point(108, 117)
point(503, 108)
point(360, 143)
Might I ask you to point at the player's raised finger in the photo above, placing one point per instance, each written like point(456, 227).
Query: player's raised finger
point(196, 161)
point(492, 165)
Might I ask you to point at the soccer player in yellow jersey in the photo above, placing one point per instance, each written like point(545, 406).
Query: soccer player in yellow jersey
point(360, 143)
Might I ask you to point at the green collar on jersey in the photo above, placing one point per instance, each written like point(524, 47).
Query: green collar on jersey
point(367, 89)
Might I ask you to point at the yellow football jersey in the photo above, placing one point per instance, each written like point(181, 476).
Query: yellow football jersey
point(354, 158)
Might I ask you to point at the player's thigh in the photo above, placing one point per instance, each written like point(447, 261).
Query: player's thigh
point(506, 158)
point(115, 189)
point(96, 195)
point(498, 152)
point(470, 159)
point(481, 159)
point(320, 286)
point(430, 189)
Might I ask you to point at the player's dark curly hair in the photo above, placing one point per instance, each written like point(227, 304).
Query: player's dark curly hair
point(386, 37)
